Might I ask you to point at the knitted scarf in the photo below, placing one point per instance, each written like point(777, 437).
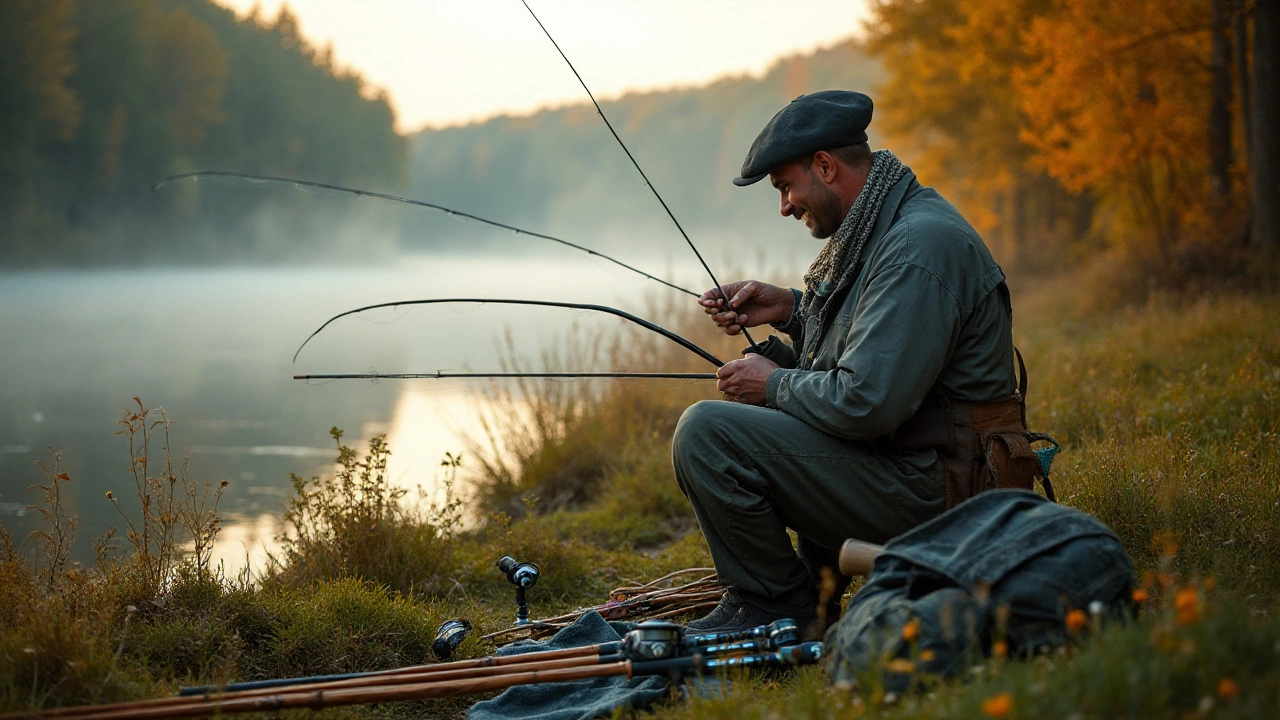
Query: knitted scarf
point(837, 263)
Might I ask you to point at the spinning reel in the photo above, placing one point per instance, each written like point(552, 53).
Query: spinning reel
point(523, 575)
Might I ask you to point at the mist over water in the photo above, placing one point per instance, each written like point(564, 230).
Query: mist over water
point(214, 348)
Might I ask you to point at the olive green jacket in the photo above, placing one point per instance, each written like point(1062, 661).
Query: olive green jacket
point(929, 310)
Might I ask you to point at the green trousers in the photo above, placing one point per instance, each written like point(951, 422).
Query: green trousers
point(752, 472)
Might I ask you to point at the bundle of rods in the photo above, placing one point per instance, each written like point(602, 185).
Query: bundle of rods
point(650, 601)
point(657, 650)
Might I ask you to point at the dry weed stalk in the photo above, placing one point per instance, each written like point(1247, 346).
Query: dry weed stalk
point(60, 535)
point(172, 503)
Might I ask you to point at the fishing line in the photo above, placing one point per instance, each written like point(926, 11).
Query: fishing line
point(307, 184)
point(630, 157)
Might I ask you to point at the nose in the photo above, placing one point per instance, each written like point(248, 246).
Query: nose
point(785, 207)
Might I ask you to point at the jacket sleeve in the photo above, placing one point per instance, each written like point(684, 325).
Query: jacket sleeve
point(898, 338)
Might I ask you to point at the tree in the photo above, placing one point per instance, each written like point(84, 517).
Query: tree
point(1264, 152)
point(1117, 103)
point(36, 105)
point(950, 107)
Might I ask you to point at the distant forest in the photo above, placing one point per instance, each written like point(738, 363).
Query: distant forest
point(99, 99)
point(560, 171)
point(1137, 138)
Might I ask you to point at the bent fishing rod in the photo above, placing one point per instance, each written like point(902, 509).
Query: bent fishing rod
point(724, 296)
point(442, 374)
point(269, 179)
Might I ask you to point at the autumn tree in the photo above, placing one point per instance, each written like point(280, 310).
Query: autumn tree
point(36, 105)
point(950, 108)
point(1118, 103)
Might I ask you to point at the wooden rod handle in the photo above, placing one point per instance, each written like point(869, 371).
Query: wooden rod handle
point(856, 556)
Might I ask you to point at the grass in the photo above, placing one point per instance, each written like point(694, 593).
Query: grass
point(1168, 413)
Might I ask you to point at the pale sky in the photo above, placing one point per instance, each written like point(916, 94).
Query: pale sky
point(446, 62)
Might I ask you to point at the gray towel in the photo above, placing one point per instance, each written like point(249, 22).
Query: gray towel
point(577, 699)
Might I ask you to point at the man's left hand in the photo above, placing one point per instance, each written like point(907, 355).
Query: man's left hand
point(744, 380)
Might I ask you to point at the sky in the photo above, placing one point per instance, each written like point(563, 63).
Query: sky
point(449, 62)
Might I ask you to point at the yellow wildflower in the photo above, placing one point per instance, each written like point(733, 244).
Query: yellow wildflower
point(1141, 596)
point(1228, 689)
point(1000, 648)
point(911, 631)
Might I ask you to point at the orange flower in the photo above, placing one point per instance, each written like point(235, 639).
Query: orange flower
point(1141, 596)
point(901, 666)
point(1228, 689)
point(911, 631)
point(1187, 603)
point(927, 655)
point(997, 706)
point(1000, 648)
point(1076, 620)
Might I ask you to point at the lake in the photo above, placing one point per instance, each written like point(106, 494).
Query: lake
point(214, 348)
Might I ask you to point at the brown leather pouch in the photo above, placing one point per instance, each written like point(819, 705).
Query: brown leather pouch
point(1003, 440)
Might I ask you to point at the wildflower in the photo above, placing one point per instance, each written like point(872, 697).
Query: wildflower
point(998, 705)
point(224, 483)
point(911, 631)
point(109, 495)
point(901, 666)
point(1000, 648)
point(1141, 596)
point(1228, 689)
point(1076, 620)
point(927, 655)
point(1187, 604)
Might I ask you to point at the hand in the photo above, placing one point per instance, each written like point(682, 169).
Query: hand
point(751, 303)
point(744, 380)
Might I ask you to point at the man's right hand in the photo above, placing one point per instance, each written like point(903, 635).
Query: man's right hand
point(755, 303)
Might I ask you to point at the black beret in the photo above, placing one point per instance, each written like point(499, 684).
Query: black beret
point(818, 121)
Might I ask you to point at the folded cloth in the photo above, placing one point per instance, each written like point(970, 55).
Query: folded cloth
point(576, 699)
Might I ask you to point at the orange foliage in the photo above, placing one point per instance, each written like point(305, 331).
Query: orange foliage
point(1024, 104)
point(1116, 103)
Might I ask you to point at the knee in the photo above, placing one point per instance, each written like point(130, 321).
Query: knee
point(700, 425)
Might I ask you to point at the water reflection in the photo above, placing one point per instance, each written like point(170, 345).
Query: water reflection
point(214, 347)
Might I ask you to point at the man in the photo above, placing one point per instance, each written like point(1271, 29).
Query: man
point(904, 309)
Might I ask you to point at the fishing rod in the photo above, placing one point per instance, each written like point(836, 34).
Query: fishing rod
point(653, 648)
point(269, 179)
point(688, 345)
point(447, 375)
point(724, 296)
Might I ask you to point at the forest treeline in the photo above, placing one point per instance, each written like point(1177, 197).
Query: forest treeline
point(1074, 127)
point(100, 99)
point(561, 171)
point(1066, 130)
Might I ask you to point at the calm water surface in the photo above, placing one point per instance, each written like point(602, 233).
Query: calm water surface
point(214, 348)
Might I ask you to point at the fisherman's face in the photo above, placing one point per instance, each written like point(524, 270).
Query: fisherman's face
point(805, 197)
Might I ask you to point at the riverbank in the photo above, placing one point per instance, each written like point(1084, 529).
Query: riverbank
point(1168, 414)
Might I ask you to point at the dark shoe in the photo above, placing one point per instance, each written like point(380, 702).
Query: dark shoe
point(739, 611)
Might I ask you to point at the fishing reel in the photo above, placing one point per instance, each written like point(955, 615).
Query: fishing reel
point(658, 640)
point(523, 575)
